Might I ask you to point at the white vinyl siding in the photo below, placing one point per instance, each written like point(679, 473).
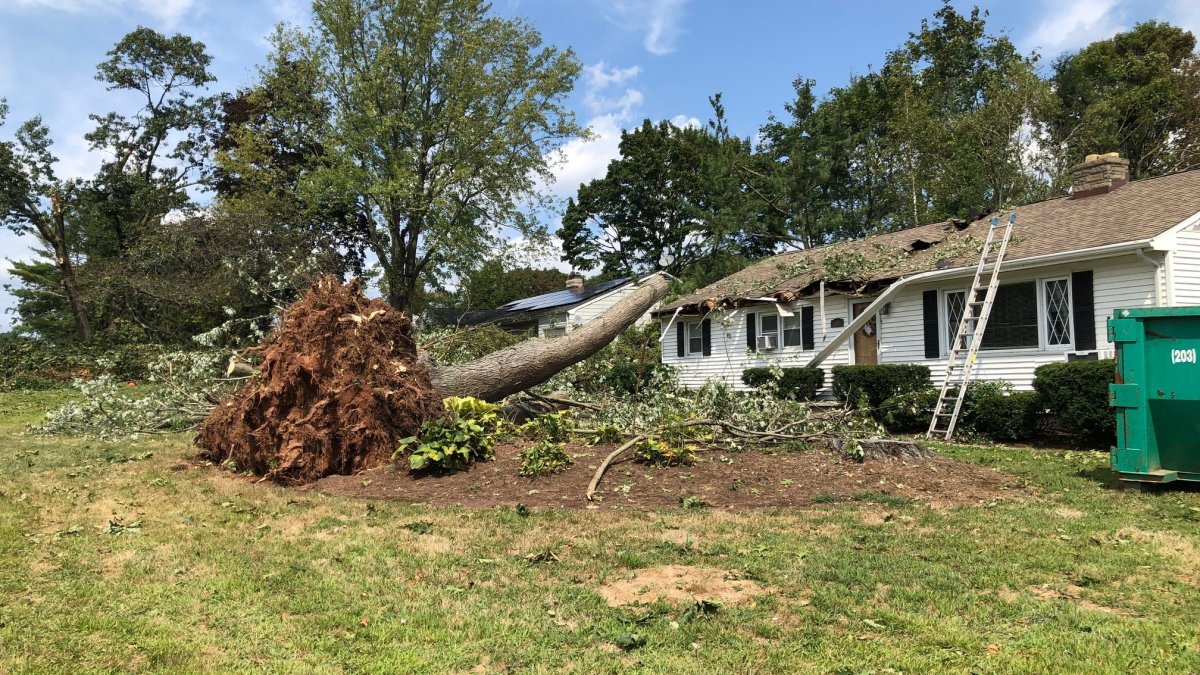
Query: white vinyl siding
point(1118, 282)
point(1185, 267)
point(730, 356)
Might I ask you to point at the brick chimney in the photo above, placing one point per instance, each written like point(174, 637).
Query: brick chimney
point(574, 283)
point(1098, 174)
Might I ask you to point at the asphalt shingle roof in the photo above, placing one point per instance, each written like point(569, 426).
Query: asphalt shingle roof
point(1133, 212)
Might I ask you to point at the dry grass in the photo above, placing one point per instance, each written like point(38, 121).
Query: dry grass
point(108, 562)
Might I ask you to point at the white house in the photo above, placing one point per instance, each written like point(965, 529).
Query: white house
point(1071, 262)
point(551, 314)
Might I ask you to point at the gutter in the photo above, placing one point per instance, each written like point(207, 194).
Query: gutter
point(1109, 250)
point(1158, 269)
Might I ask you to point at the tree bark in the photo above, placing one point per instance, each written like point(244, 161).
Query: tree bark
point(533, 362)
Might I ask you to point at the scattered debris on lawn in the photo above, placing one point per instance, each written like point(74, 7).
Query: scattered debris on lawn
point(680, 584)
point(338, 387)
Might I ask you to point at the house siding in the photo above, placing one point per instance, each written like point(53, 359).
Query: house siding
point(1185, 267)
point(1121, 282)
point(593, 308)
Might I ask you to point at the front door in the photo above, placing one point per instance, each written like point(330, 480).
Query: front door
point(866, 339)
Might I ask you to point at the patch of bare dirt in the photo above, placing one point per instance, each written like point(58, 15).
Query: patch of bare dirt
point(338, 387)
point(679, 584)
point(1074, 594)
point(1173, 546)
point(750, 479)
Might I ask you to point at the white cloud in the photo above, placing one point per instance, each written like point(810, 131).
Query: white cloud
point(685, 122)
point(657, 19)
point(167, 12)
point(580, 160)
point(1071, 25)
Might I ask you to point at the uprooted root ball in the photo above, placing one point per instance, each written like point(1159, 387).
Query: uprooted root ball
point(339, 385)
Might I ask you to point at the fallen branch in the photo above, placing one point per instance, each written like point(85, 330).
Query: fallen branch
point(591, 491)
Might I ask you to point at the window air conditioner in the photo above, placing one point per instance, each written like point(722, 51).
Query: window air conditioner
point(766, 342)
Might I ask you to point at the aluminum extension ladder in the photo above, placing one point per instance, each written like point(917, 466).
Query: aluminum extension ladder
point(960, 364)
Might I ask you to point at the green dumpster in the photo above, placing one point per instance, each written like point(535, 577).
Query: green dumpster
point(1156, 396)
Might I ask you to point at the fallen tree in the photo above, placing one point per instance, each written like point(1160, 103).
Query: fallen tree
point(530, 363)
point(341, 383)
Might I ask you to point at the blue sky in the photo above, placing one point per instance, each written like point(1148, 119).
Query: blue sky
point(643, 58)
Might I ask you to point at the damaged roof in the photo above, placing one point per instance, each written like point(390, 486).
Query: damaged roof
point(1133, 212)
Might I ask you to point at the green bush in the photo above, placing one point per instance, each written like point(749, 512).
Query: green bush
point(990, 409)
point(464, 436)
point(1005, 417)
point(543, 459)
point(1076, 393)
point(554, 427)
point(798, 384)
point(26, 363)
point(654, 451)
point(909, 413)
point(877, 383)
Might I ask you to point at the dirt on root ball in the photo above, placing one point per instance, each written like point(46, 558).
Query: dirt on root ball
point(736, 481)
point(339, 385)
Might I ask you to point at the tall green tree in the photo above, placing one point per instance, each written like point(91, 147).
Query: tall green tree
point(676, 196)
point(495, 284)
point(92, 227)
point(1136, 93)
point(442, 116)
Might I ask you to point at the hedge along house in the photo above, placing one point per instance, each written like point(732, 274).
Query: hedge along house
point(898, 297)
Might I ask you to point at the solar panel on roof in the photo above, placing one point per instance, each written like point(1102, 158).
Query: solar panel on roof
point(563, 297)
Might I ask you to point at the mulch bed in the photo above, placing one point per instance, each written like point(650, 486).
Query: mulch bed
point(737, 481)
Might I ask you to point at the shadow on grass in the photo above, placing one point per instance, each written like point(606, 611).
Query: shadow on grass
point(1107, 479)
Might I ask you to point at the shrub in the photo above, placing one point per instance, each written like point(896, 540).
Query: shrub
point(554, 427)
point(991, 409)
point(653, 451)
point(455, 441)
point(37, 364)
point(1005, 417)
point(543, 459)
point(798, 384)
point(877, 383)
point(910, 412)
point(1076, 393)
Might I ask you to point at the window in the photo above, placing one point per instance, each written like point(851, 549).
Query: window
point(695, 338)
point(1014, 322)
point(955, 301)
point(1058, 312)
point(792, 334)
point(768, 325)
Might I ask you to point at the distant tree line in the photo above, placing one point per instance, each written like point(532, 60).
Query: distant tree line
point(956, 122)
point(404, 140)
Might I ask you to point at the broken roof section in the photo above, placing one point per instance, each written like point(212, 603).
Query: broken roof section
point(1137, 211)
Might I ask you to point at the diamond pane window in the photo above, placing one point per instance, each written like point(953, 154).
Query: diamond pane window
point(955, 301)
point(1058, 313)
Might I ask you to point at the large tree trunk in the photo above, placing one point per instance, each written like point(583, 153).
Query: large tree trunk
point(532, 362)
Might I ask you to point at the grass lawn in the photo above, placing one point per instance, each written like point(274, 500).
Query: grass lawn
point(112, 558)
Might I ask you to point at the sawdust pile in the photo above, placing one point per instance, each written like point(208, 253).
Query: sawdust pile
point(339, 385)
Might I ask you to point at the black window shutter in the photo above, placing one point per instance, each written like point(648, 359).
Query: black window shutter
point(706, 333)
point(806, 328)
point(1083, 308)
point(929, 316)
point(751, 332)
point(680, 339)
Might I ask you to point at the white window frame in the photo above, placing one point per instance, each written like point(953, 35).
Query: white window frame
point(778, 332)
point(1044, 306)
point(698, 328)
point(783, 329)
point(947, 335)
